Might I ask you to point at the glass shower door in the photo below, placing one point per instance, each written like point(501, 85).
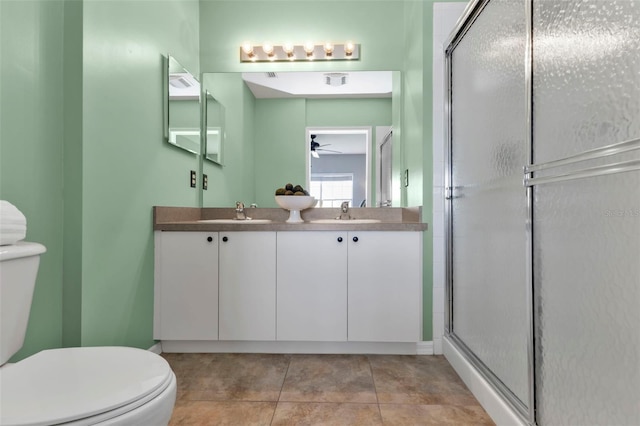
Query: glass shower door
point(488, 204)
point(586, 182)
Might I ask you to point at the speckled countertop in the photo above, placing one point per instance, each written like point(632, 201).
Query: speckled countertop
point(187, 219)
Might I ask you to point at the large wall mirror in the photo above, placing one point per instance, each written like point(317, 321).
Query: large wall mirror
point(347, 113)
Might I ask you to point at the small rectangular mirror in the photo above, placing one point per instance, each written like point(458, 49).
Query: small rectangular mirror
point(182, 111)
point(214, 123)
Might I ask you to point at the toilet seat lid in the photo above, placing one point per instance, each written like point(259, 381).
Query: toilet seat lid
point(62, 385)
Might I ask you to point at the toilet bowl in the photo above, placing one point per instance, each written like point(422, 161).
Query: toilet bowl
point(72, 386)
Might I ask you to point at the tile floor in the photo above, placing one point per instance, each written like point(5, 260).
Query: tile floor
point(275, 389)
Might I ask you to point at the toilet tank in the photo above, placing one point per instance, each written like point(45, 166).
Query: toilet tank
point(18, 270)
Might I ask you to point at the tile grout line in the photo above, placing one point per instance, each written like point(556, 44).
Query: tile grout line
point(375, 389)
point(280, 393)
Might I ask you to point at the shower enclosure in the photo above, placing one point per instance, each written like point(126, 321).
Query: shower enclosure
point(543, 205)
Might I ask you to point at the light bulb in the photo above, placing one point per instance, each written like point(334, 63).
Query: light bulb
point(349, 47)
point(288, 49)
point(268, 48)
point(328, 49)
point(247, 48)
point(309, 47)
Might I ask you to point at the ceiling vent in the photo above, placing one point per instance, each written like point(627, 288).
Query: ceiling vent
point(271, 75)
point(336, 79)
point(179, 82)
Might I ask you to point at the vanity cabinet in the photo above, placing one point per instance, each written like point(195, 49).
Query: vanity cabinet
point(312, 286)
point(186, 286)
point(247, 271)
point(358, 286)
point(385, 286)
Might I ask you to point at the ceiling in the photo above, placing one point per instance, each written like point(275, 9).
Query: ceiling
point(310, 84)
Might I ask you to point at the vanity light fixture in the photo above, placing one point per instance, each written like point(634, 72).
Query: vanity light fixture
point(309, 51)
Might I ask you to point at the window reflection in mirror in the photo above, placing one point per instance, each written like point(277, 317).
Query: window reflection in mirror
point(182, 118)
point(214, 123)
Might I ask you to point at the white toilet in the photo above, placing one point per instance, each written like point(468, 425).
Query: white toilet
point(72, 386)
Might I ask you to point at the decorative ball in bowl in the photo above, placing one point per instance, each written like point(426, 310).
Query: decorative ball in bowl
point(295, 203)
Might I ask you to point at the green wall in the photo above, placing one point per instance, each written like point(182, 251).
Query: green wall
point(72, 180)
point(127, 168)
point(83, 156)
point(31, 148)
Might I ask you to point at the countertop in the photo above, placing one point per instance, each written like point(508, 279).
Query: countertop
point(187, 219)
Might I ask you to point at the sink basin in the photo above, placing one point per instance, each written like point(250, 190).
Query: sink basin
point(236, 221)
point(345, 221)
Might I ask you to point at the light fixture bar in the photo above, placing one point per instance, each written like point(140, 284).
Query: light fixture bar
point(300, 52)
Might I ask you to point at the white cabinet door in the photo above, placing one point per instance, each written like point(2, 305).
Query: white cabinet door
point(247, 285)
point(186, 286)
point(312, 286)
point(385, 286)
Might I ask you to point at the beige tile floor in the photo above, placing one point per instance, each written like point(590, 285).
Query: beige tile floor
point(274, 389)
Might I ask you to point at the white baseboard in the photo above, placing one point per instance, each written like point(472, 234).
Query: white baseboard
point(156, 349)
point(491, 401)
point(186, 346)
point(424, 348)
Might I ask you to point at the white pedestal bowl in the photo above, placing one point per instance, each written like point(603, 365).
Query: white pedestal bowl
point(295, 203)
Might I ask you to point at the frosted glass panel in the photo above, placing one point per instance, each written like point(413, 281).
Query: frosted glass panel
point(586, 75)
point(489, 206)
point(586, 95)
point(587, 275)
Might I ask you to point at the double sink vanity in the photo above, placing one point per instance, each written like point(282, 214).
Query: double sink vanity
point(265, 285)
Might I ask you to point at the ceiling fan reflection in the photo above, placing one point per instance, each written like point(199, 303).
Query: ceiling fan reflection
point(316, 148)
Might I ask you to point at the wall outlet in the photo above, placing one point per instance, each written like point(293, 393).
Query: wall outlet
point(205, 182)
point(193, 178)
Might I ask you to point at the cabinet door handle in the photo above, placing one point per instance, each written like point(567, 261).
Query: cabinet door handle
point(355, 239)
point(339, 239)
point(225, 239)
point(209, 239)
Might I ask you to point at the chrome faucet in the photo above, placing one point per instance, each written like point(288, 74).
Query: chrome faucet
point(344, 211)
point(240, 214)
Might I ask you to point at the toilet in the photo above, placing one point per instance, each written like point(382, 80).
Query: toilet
point(71, 386)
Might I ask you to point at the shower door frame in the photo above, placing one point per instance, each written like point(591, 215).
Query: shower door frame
point(471, 13)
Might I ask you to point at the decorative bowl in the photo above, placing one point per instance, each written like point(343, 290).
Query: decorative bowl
point(295, 203)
